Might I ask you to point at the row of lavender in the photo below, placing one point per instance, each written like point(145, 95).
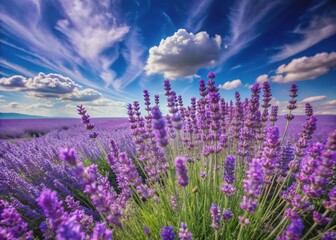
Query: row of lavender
point(29, 166)
point(211, 170)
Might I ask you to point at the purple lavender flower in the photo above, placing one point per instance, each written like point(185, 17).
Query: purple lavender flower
point(229, 167)
point(202, 88)
point(203, 175)
point(146, 231)
point(167, 233)
point(101, 232)
point(211, 75)
point(248, 204)
point(147, 100)
point(331, 204)
point(267, 96)
point(181, 171)
point(184, 233)
point(254, 181)
point(11, 224)
point(86, 121)
point(308, 110)
point(227, 215)
point(173, 203)
point(329, 235)
point(274, 114)
point(293, 231)
point(52, 208)
point(70, 229)
point(159, 126)
point(228, 189)
point(320, 219)
point(68, 155)
point(157, 99)
point(215, 216)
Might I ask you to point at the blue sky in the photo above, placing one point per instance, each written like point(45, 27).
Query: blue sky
point(56, 54)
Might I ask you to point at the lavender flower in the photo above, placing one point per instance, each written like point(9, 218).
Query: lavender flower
point(86, 121)
point(184, 233)
point(146, 231)
point(11, 224)
point(181, 171)
point(216, 216)
point(308, 110)
point(329, 235)
point(101, 232)
point(68, 155)
point(229, 166)
point(70, 229)
point(293, 231)
point(254, 181)
point(159, 126)
point(227, 215)
point(211, 75)
point(167, 233)
point(52, 208)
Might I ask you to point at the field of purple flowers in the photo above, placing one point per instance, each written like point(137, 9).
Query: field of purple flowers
point(213, 169)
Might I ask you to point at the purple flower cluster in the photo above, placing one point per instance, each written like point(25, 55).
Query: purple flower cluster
point(11, 224)
point(228, 176)
point(86, 120)
point(293, 231)
point(167, 233)
point(252, 186)
point(181, 171)
point(184, 233)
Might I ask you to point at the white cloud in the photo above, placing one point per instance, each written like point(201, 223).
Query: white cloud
point(49, 86)
point(197, 14)
point(88, 34)
point(182, 54)
point(13, 105)
point(313, 99)
point(319, 28)
point(330, 103)
point(262, 78)
point(305, 68)
point(90, 27)
point(41, 105)
point(248, 19)
point(231, 85)
point(82, 95)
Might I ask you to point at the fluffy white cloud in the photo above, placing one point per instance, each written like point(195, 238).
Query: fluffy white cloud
point(305, 68)
point(49, 86)
point(231, 85)
point(320, 28)
point(313, 99)
point(182, 54)
point(262, 78)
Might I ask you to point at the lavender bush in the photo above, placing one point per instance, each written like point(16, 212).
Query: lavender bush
point(211, 170)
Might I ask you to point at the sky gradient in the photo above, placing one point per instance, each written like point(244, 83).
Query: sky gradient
point(57, 54)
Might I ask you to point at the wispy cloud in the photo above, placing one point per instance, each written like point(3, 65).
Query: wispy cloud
point(247, 22)
point(85, 38)
point(197, 14)
point(16, 68)
point(313, 99)
point(320, 28)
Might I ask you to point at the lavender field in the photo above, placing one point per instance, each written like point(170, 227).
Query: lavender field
point(214, 169)
point(167, 120)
